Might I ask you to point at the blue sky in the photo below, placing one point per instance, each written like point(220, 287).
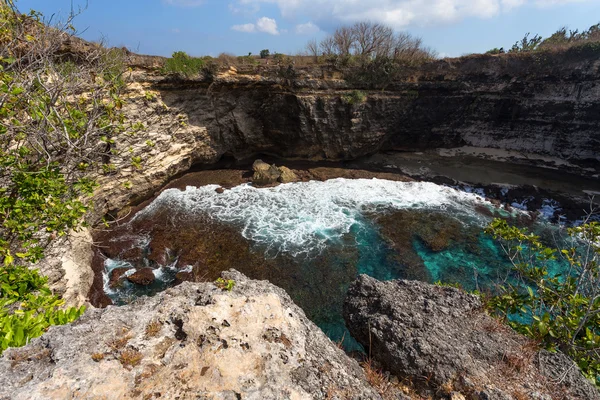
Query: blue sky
point(209, 27)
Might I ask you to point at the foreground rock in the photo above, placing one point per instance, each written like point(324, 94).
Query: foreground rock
point(441, 340)
point(192, 341)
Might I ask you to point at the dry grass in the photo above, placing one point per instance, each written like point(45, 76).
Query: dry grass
point(153, 329)
point(130, 357)
point(118, 343)
point(376, 378)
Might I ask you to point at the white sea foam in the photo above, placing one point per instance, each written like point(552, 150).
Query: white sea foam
point(302, 217)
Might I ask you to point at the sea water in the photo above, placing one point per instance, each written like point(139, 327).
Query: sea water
point(306, 220)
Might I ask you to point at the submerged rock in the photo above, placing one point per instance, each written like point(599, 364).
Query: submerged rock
point(142, 277)
point(440, 337)
point(192, 341)
point(117, 276)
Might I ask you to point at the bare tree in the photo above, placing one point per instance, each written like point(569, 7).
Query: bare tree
point(327, 46)
point(312, 49)
point(343, 38)
point(372, 38)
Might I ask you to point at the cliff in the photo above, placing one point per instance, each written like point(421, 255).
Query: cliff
point(541, 103)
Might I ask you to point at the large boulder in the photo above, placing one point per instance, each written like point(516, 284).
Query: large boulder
point(441, 339)
point(287, 175)
point(192, 341)
point(265, 174)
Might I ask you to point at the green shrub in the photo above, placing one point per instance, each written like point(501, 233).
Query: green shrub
point(28, 307)
point(265, 53)
point(183, 65)
point(561, 311)
point(355, 97)
point(60, 118)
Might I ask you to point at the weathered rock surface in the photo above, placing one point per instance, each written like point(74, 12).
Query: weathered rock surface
point(440, 338)
point(193, 341)
point(269, 175)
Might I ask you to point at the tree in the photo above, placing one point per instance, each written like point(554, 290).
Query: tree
point(312, 49)
point(562, 311)
point(343, 39)
point(265, 53)
point(372, 39)
point(60, 116)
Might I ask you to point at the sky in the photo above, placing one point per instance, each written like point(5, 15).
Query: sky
point(211, 27)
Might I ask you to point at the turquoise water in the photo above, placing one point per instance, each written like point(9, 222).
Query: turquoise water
point(323, 234)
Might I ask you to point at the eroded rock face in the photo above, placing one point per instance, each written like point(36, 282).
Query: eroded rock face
point(541, 104)
point(440, 337)
point(192, 341)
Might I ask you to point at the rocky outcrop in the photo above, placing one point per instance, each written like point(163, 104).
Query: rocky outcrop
point(192, 341)
point(442, 340)
point(534, 103)
point(269, 175)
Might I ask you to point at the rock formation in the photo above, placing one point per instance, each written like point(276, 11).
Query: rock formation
point(192, 341)
point(442, 340)
point(535, 103)
point(269, 175)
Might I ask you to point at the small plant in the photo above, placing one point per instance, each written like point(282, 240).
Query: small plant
point(454, 285)
point(153, 329)
point(130, 358)
point(127, 185)
point(98, 357)
point(149, 96)
point(136, 161)
point(355, 97)
point(119, 343)
point(225, 284)
point(150, 143)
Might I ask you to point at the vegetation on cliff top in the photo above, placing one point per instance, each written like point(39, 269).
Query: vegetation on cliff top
point(59, 120)
point(560, 311)
point(562, 39)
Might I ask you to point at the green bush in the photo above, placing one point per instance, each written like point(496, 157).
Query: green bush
point(60, 118)
point(183, 65)
point(27, 307)
point(561, 311)
point(355, 97)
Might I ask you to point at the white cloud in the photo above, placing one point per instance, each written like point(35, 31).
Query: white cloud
point(267, 25)
point(264, 24)
point(399, 13)
point(307, 29)
point(184, 3)
point(248, 28)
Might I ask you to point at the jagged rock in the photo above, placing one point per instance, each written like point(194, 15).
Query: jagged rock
point(287, 175)
point(191, 341)
point(142, 277)
point(116, 276)
point(265, 174)
point(440, 337)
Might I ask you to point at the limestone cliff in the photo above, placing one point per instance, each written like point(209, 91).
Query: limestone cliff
point(543, 103)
